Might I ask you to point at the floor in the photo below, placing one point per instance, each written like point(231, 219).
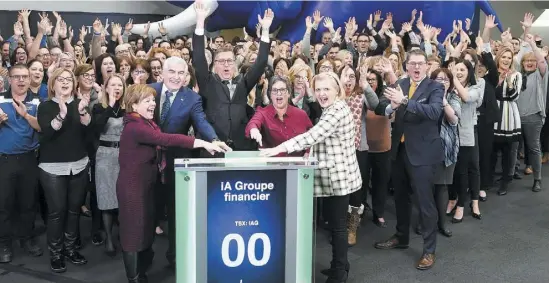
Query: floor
point(509, 244)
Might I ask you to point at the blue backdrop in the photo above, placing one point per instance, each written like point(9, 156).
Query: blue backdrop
point(290, 15)
point(260, 217)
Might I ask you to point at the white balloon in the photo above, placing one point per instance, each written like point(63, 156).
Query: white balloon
point(180, 24)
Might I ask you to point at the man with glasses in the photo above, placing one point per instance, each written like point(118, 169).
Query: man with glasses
point(18, 164)
point(416, 149)
point(225, 94)
point(363, 43)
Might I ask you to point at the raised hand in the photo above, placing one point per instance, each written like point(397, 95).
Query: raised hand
point(147, 28)
point(83, 33)
point(389, 17)
point(407, 27)
point(528, 20)
point(25, 13)
point(201, 11)
point(62, 29)
point(309, 23)
point(97, 26)
point(479, 41)
point(467, 24)
point(530, 39)
point(490, 22)
point(129, 25)
point(44, 26)
point(506, 35)
point(116, 30)
point(161, 29)
point(328, 23)
point(56, 15)
point(414, 13)
point(267, 19)
point(317, 18)
point(363, 82)
point(17, 29)
point(377, 16)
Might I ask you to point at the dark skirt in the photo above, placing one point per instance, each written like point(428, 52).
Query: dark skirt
point(444, 175)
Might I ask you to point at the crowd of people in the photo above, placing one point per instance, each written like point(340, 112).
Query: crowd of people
point(388, 109)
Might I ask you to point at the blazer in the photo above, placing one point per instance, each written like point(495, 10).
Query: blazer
point(333, 143)
point(227, 115)
point(186, 110)
point(418, 121)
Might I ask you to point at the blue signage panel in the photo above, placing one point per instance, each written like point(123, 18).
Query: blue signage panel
point(246, 226)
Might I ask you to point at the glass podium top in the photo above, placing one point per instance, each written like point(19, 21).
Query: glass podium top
point(244, 161)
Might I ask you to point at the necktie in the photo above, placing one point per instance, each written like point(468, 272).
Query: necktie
point(166, 107)
point(230, 86)
point(413, 87)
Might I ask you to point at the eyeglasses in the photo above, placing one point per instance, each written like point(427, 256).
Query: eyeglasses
point(88, 76)
point(279, 91)
point(326, 68)
point(20, 77)
point(139, 72)
point(63, 79)
point(415, 64)
point(122, 52)
point(226, 61)
point(442, 80)
point(362, 41)
point(300, 78)
point(374, 80)
point(21, 53)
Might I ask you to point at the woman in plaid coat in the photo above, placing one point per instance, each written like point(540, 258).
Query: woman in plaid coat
point(332, 142)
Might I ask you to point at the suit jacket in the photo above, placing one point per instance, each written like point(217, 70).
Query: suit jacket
point(419, 122)
point(186, 110)
point(227, 116)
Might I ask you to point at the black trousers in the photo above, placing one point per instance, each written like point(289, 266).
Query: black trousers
point(96, 213)
point(379, 165)
point(337, 220)
point(65, 196)
point(485, 133)
point(18, 195)
point(466, 175)
point(507, 161)
point(355, 199)
point(414, 181)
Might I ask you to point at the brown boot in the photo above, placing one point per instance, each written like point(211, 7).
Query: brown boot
point(545, 157)
point(353, 220)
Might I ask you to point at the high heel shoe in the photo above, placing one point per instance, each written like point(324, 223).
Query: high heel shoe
point(452, 211)
point(475, 215)
point(455, 220)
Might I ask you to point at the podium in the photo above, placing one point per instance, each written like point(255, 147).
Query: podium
point(244, 219)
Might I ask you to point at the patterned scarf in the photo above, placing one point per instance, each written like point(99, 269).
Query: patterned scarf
point(355, 102)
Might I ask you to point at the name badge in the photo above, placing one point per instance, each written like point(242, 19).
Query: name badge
point(35, 101)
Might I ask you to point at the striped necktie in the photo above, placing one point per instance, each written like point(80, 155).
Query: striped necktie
point(166, 107)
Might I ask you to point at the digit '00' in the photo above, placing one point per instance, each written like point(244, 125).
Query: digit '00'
point(241, 250)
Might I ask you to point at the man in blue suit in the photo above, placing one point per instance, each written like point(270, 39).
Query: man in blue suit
point(416, 150)
point(177, 108)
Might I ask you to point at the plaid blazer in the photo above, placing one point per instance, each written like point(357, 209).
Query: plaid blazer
point(333, 143)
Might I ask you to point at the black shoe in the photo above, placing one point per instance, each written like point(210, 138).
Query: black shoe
point(482, 199)
point(338, 276)
point(378, 223)
point(86, 213)
point(445, 232)
point(502, 192)
point(5, 254)
point(517, 176)
point(97, 240)
point(455, 220)
point(418, 230)
point(391, 243)
point(329, 271)
point(477, 216)
point(110, 249)
point(31, 247)
point(57, 264)
point(75, 258)
point(537, 186)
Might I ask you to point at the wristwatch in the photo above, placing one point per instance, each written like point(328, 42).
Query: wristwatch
point(404, 101)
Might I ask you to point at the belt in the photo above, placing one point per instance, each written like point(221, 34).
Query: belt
point(109, 144)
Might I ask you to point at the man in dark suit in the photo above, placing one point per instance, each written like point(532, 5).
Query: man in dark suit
point(177, 108)
point(416, 149)
point(225, 94)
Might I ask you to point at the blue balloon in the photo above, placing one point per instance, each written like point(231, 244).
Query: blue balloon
point(290, 15)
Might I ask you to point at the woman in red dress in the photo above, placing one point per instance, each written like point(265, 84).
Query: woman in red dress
point(140, 160)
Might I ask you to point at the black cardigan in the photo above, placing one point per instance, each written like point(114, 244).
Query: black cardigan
point(68, 144)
